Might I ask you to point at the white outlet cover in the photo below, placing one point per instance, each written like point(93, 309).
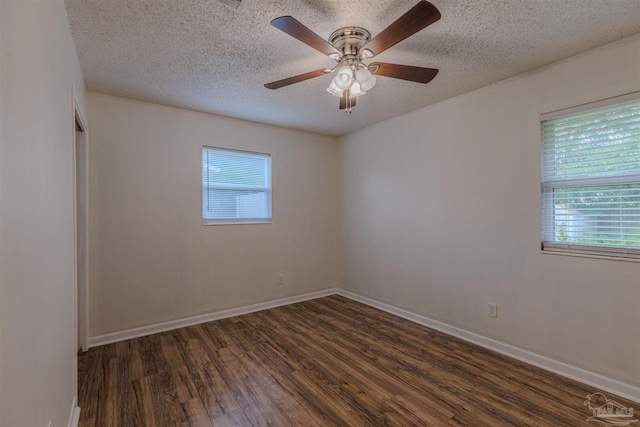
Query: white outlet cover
point(492, 310)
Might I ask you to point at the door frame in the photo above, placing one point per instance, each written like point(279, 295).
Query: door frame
point(81, 287)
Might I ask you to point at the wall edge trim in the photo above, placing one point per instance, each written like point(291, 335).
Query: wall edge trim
point(619, 388)
point(74, 414)
point(142, 331)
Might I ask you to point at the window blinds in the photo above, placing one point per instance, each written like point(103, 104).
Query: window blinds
point(236, 186)
point(591, 181)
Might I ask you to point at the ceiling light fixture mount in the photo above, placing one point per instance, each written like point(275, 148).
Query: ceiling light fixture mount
point(349, 46)
point(347, 84)
point(349, 41)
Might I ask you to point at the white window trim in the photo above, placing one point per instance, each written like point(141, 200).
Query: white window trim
point(583, 250)
point(631, 96)
point(268, 191)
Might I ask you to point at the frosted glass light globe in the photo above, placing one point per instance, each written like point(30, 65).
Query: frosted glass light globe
point(355, 90)
point(344, 78)
point(365, 78)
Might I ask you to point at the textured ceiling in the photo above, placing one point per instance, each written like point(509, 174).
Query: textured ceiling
point(201, 55)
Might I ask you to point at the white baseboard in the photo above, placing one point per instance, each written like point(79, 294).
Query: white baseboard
point(203, 318)
point(601, 382)
point(74, 414)
point(596, 380)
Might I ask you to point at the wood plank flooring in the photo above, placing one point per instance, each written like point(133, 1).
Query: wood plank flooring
point(326, 362)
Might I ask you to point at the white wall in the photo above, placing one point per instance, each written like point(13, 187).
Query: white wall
point(37, 355)
point(152, 260)
point(439, 214)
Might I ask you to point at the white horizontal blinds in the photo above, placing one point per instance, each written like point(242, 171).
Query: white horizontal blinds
point(591, 179)
point(597, 143)
point(236, 186)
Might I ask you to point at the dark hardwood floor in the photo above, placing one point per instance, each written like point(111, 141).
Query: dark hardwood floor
point(326, 362)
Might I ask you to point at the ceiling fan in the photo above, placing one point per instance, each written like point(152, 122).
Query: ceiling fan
point(351, 46)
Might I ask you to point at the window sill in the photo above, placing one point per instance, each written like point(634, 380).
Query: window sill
point(235, 222)
point(621, 257)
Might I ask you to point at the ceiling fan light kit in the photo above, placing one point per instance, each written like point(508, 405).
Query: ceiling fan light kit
point(350, 46)
point(365, 78)
point(344, 78)
point(333, 89)
point(355, 90)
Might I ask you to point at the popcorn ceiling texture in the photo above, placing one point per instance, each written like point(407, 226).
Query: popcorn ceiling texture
point(201, 55)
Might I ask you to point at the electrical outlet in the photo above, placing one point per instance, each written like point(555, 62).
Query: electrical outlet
point(280, 279)
point(492, 309)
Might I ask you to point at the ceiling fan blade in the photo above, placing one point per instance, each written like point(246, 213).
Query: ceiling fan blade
point(295, 79)
point(418, 17)
point(343, 100)
point(405, 72)
point(295, 29)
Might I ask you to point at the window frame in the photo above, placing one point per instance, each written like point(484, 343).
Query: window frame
point(548, 241)
point(268, 189)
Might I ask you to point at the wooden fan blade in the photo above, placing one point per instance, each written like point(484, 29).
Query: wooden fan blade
point(295, 79)
point(343, 100)
point(295, 29)
point(418, 17)
point(405, 72)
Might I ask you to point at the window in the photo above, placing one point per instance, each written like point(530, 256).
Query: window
point(591, 179)
point(236, 186)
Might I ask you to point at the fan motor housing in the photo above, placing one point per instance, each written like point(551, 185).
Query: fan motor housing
point(349, 40)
